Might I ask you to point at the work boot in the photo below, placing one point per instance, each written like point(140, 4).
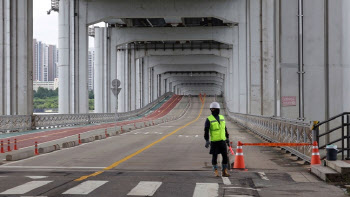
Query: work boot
point(225, 171)
point(215, 169)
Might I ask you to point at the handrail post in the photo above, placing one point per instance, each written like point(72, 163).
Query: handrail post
point(348, 136)
point(342, 137)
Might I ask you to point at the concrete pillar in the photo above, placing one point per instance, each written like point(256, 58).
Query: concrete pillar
point(132, 81)
point(73, 53)
point(99, 71)
point(120, 76)
point(255, 58)
point(268, 69)
point(112, 61)
point(146, 82)
point(345, 54)
point(236, 75)
point(16, 53)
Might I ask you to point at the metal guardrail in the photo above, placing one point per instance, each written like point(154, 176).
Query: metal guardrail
point(22, 122)
point(342, 136)
point(276, 129)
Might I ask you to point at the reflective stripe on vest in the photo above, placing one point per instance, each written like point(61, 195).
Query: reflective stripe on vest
point(217, 130)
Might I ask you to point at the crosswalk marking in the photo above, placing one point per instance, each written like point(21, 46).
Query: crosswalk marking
point(226, 181)
point(263, 176)
point(85, 187)
point(145, 188)
point(206, 190)
point(238, 196)
point(27, 187)
point(36, 177)
point(242, 188)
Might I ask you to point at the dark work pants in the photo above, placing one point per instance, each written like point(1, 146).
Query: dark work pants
point(218, 148)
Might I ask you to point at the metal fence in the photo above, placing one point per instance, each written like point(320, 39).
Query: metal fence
point(23, 122)
point(275, 129)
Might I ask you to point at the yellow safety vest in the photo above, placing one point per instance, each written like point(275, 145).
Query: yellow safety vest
point(217, 130)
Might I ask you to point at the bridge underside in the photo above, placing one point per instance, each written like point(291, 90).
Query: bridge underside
point(245, 50)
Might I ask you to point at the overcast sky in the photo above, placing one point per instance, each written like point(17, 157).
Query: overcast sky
point(45, 27)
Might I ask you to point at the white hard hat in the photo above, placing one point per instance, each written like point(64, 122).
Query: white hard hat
point(215, 105)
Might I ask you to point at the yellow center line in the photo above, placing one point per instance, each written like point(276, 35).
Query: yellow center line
point(141, 150)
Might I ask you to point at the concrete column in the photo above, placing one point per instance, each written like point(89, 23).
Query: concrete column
point(64, 101)
point(236, 74)
point(121, 77)
point(73, 53)
point(255, 58)
point(138, 82)
point(268, 69)
point(16, 53)
point(99, 71)
point(345, 54)
point(112, 62)
point(132, 82)
point(146, 82)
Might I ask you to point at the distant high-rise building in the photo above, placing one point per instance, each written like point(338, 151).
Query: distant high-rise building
point(52, 60)
point(45, 58)
point(91, 62)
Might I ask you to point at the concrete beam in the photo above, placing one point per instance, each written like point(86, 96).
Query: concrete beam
point(127, 35)
point(151, 52)
point(188, 59)
point(104, 10)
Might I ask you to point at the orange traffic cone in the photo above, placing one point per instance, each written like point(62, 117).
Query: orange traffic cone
point(239, 159)
point(315, 157)
point(36, 152)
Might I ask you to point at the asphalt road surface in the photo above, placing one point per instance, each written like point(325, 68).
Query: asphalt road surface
point(166, 160)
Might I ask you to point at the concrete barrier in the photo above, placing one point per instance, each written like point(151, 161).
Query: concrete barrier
point(87, 140)
point(70, 144)
point(49, 149)
point(20, 155)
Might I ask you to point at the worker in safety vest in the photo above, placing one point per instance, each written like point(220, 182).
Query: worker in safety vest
point(215, 128)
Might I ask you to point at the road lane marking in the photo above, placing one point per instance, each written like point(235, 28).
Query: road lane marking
point(206, 190)
point(145, 188)
point(226, 181)
point(238, 196)
point(141, 150)
point(263, 176)
point(27, 187)
point(36, 177)
point(85, 187)
point(242, 188)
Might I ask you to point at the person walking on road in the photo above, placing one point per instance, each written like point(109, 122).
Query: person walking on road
point(215, 128)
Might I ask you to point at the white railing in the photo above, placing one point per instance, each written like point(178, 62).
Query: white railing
point(23, 123)
point(276, 129)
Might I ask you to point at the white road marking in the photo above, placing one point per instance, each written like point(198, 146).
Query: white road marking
point(146, 133)
point(241, 188)
point(238, 196)
point(85, 187)
point(36, 177)
point(145, 188)
point(196, 136)
point(226, 181)
point(187, 136)
point(27, 187)
point(206, 190)
point(263, 176)
point(160, 133)
point(180, 135)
